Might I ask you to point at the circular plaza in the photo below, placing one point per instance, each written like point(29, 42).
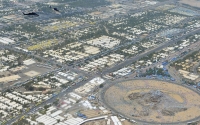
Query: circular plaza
point(152, 101)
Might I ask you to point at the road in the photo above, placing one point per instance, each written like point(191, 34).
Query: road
point(174, 73)
point(123, 64)
point(135, 58)
point(12, 47)
point(51, 100)
point(103, 53)
point(140, 122)
point(86, 25)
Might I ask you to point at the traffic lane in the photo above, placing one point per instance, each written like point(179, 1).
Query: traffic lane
point(128, 62)
point(51, 100)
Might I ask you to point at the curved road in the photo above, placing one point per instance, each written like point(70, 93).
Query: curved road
point(105, 104)
point(135, 58)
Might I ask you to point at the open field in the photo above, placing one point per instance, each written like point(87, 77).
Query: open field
point(98, 122)
point(153, 101)
point(58, 26)
point(43, 45)
point(195, 3)
point(32, 73)
point(10, 78)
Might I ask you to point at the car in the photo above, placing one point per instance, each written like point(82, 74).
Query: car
point(133, 121)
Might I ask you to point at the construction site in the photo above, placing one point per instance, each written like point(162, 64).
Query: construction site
point(152, 101)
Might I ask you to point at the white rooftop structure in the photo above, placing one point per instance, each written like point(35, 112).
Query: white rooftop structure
point(73, 121)
point(5, 40)
point(56, 113)
point(116, 120)
point(97, 80)
point(60, 123)
point(87, 104)
point(75, 96)
point(29, 62)
point(47, 120)
point(104, 41)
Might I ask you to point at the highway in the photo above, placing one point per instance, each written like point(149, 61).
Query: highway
point(12, 48)
point(103, 53)
point(159, 47)
point(51, 100)
point(85, 25)
point(106, 71)
point(123, 64)
point(53, 62)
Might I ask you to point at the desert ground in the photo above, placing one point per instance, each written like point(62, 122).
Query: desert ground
point(195, 3)
point(154, 101)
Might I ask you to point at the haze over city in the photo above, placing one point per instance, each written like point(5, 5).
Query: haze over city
point(99, 62)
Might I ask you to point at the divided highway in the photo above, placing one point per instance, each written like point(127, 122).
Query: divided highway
point(106, 71)
point(159, 47)
point(123, 64)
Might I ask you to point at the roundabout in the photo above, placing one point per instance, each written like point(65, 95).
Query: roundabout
point(152, 101)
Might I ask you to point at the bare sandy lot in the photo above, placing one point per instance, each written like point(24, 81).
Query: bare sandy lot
point(195, 3)
point(10, 78)
point(154, 101)
point(95, 13)
point(32, 73)
point(97, 122)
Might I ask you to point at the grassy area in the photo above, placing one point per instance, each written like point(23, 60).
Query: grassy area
point(42, 111)
point(43, 45)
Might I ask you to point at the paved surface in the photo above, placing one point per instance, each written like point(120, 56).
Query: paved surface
point(139, 122)
point(159, 47)
point(125, 63)
point(121, 65)
point(51, 100)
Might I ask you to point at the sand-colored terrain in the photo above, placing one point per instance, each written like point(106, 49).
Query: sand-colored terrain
point(95, 13)
point(195, 3)
point(92, 113)
point(32, 73)
point(10, 78)
point(97, 122)
point(154, 101)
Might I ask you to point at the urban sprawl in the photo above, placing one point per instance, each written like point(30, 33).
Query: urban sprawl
point(81, 62)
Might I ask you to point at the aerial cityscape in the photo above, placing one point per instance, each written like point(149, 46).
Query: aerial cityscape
point(100, 62)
